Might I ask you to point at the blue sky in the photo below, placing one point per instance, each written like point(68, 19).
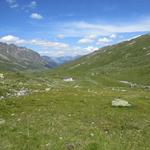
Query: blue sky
point(72, 27)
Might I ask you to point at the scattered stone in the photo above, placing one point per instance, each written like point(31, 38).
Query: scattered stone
point(68, 79)
point(92, 123)
point(22, 92)
point(18, 119)
point(12, 114)
point(47, 144)
point(47, 89)
point(123, 90)
point(2, 121)
point(120, 103)
point(2, 97)
point(1, 75)
point(77, 86)
point(69, 115)
point(92, 134)
point(36, 91)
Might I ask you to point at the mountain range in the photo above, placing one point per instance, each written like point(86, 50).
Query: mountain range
point(13, 57)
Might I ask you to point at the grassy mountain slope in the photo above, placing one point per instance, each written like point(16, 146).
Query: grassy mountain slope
point(128, 60)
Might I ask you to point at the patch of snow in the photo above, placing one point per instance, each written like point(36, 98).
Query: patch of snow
point(126, 82)
point(129, 83)
point(120, 103)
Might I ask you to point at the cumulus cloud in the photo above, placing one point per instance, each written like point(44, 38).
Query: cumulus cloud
point(36, 16)
point(48, 44)
point(87, 40)
point(10, 39)
point(70, 51)
point(50, 48)
point(103, 40)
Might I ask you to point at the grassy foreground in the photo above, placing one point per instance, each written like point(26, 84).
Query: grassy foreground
point(75, 116)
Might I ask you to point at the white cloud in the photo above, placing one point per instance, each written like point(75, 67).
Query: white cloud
point(113, 36)
point(83, 29)
point(48, 44)
point(12, 3)
point(90, 49)
point(88, 39)
point(61, 36)
point(85, 41)
point(32, 4)
point(36, 16)
point(50, 48)
point(103, 40)
point(10, 39)
point(70, 51)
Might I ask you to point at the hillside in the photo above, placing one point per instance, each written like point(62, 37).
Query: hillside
point(13, 57)
point(129, 60)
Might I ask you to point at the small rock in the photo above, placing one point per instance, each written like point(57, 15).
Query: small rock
point(70, 146)
point(92, 122)
point(2, 97)
point(2, 121)
point(1, 75)
point(92, 134)
point(12, 114)
point(120, 103)
point(47, 89)
point(69, 115)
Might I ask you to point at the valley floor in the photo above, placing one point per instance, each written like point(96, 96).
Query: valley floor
point(74, 116)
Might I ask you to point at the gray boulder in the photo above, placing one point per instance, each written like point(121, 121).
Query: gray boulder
point(120, 103)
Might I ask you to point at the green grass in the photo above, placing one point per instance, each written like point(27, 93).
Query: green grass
point(76, 118)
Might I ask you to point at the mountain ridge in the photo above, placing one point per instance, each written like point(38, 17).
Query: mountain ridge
point(117, 61)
